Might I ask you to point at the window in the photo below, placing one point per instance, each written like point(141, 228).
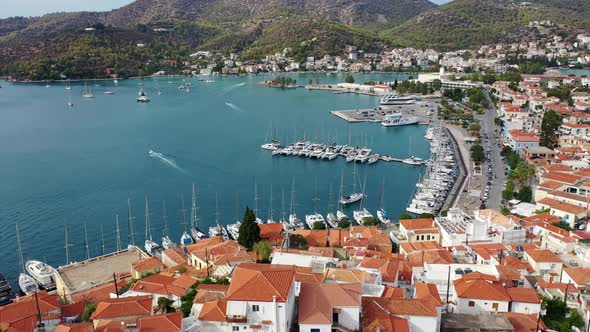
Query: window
point(255, 307)
point(427, 237)
point(335, 317)
point(495, 306)
point(235, 328)
point(472, 303)
point(315, 330)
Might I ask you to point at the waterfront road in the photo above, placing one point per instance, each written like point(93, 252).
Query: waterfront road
point(494, 167)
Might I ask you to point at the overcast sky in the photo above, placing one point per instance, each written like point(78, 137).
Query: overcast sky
point(10, 8)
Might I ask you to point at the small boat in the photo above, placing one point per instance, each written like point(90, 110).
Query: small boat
point(383, 216)
point(361, 215)
point(186, 239)
point(143, 98)
point(27, 284)
point(332, 220)
point(48, 86)
point(209, 81)
point(373, 159)
point(217, 231)
point(151, 247)
point(109, 93)
point(341, 216)
point(152, 153)
point(350, 199)
point(6, 293)
point(413, 161)
point(167, 243)
point(42, 273)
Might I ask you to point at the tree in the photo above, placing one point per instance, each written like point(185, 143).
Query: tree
point(343, 223)
point(371, 221)
point(504, 210)
point(249, 230)
point(165, 305)
point(403, 216)
point(475, 128)
point(523, 172)
point(550, 129)
point(426, 215)
point(89, 309)
point(525, 194)
point(349, 78)
point(437, 84)
point(298, 241)
point(477, 153)
point(263, 249)
point(318, 225)
point(508, 192)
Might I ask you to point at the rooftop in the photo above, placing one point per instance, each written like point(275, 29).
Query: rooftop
point(261, 282)
point(99, 270)
point(474, 322)
point(318, 301)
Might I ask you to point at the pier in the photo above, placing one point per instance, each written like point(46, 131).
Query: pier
point(327, 152)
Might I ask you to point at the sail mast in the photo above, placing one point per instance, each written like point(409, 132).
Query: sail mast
point(194, 219)
point(164, 219)
point(101, 241)
point(148, 231)
point(130, 236)
point(86, 243)
point(118, 233)
point(315, 196)
point(292, 196)
point(20, 251)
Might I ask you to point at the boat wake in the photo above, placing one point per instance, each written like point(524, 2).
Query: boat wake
point(167, 161)
point(233, 87)
point(233, 106)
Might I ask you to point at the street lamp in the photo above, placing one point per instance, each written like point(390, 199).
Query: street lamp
point(541, 313)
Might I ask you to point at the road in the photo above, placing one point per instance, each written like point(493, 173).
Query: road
point(493, 158)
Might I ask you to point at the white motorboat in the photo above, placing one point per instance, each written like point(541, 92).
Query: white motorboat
point(152, 248)
point(27, 284)
point(332, 220)
point(42, 273)
point(391, 99)
point(413, 161)
point(350, 199)
point(152, 153)
point(234, 230)
point(143, 98)
point(186, 239)
point(109, 93)
point(360, 216)
point(167, 243)
point(397, 119)
point(341, 215)
point(272, 146)
point(311, 219)
point(373, 159)
point(383, 216)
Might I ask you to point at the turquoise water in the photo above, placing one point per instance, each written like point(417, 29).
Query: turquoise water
point(76, 166)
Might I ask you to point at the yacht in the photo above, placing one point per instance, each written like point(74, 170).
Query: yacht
point(383, 216)
point(27, 284)
point(143, 98)
point(373, 159)
point(332, 220)
point(413, 161)
point(186, 239)
point(360, 215)
point(218, 231)
point(42, 273)
point(167, 243)
point(341, 216)
point(397, 119)
point(234, 230)
point(6, 293)
point(397, 100)
point(272, 146)
point(152, 153)
point(152, 248)
point(295, 221)
point(311, 219)
point(352, 198)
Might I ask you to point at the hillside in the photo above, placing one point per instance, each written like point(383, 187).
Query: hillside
point(470, 23)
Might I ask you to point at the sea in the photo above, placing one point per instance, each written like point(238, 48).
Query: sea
point(77, 166)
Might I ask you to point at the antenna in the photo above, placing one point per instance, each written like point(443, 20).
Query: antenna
point(101, 241)
point(130, 236)
point(20, 251)
point(86, 243)
point(118, 233)
point(68, 245)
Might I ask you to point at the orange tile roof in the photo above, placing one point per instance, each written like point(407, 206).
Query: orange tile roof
point(428, 292)
point(488, 250)
point(377, 318)
point(580, 275)
point(321, 251)
point(562, 206)
point(543, 217)
point(208, 293)
point(337, 236)
point(114, 325)
point(77, 327)
point(176, 255)
point(97, 294)
point(414, 224)
point(73, 309)
point(523, 136)
point(344, 275)
point(543, 256)
point(219, 253)
point(550, 184)
point(409, 307)
point(571, 196)
point(481, 289)
point(260, 282)
point(585, 172)
point(410, 247)
point(571, 289)
point(214, 311)
point(123, 307)
point(315, 238)
point(22, 309)
point(161, 323)
point(183, 269)
point(147, 264)
point(164, 285)
point(317, 301)
point(395, 292)
point(387, 267)
point(440, 256)
point(364, 231)
point(517, 264)
point(524, 322)
point(562, 177)
point(558, 167)
point(525, 295)
point(272, 233)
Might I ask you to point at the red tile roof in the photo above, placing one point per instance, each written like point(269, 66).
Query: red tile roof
point(23, 311)
point(524, 322)
point(78, 327)
point(315, 238)
point(480, 288)
point(550, 184)
point(377, 318)
point(337, 236)
point(562, 177)
point(164, 285)
point(388, 267)
point(147, 264)
point(523, 136)
point(562, 206)
point(272, 233)
point(161, 323)
point(543, 256)
point(580, 275)
point(207, 293)
point(525, 295)
point(260, 282)
point(100, 293)
point(123, 307)
point(414, 224)
point(214, 311)
point(317, 301)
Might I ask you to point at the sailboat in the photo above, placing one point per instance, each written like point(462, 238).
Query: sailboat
point(167, 243)
point(70, 104)
point(381, 214)
point(218, 230)
point(143, 98)
point(412, 160)
point(159, 92)
point(354, 196)
point(331, 217)
point(234, 229)
point(185, 239)
point(151, 247)
point(68, 86)
point(312, 219)
point(293, 220)
point(109, 92)
point(340, 215)
point(27, 284)
point(195, 231)
point(360, 215)
point(87, 92)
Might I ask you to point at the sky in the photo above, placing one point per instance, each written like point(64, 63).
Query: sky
point(10, 8)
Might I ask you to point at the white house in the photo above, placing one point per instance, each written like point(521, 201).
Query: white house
point(326, 307)
point(477, 292)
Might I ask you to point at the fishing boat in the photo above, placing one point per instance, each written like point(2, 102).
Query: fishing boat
point(151, 247)
point(6, 293)
point(87, 91)
point(42, 273)
point(143, 98)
